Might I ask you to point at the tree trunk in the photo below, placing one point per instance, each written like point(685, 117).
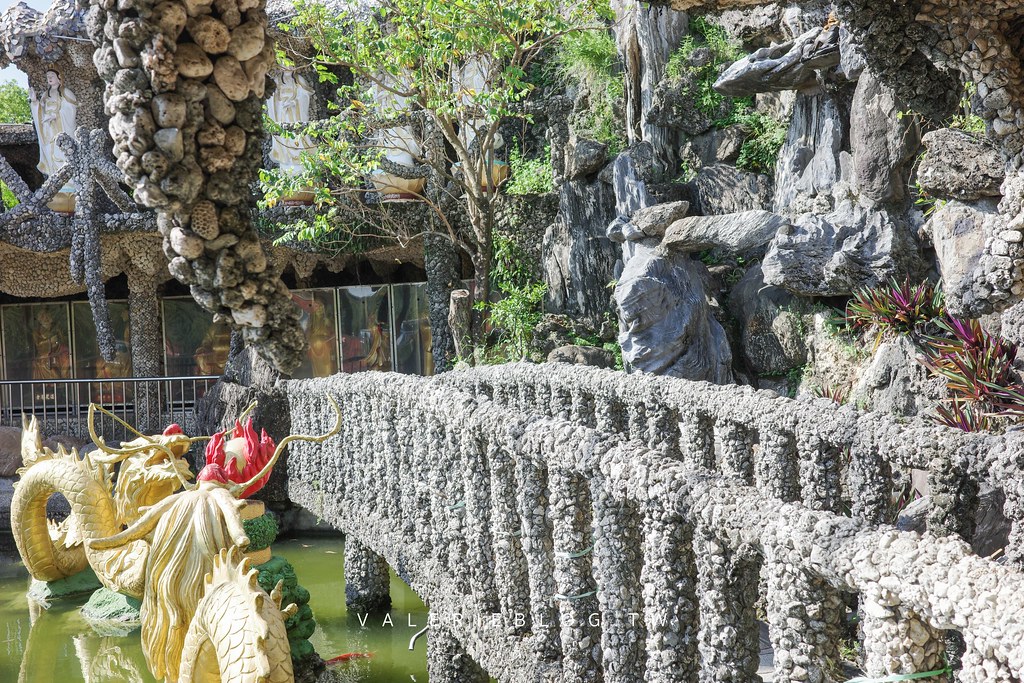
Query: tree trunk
point(481, 287)
point(460, 315)
point(441, 261)
point(647, 36)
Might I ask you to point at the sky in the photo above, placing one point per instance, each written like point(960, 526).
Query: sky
point(11, 73)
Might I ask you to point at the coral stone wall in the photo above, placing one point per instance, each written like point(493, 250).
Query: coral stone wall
point(186, 83)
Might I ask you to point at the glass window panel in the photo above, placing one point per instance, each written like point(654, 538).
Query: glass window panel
point(412, 325)
point(37, 341)
point(193, 343)
point(88, 362)
point(365, 328)
point(320, 323)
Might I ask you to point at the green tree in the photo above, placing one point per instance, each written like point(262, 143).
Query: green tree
point(415, 50)
point(14, 106)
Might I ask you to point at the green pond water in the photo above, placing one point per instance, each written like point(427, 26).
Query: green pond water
point(57, 645)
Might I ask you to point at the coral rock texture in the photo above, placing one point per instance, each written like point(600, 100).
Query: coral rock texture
point(185, 82)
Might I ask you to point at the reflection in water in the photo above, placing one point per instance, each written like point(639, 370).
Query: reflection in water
point(38, 646)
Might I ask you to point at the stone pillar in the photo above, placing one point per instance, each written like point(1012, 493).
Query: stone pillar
point(671, 614)
point(441, 261)
point(577, 598)
point(537, 540)
point(897, 641)
point(737, 451)
point(510, 570)
point(617, 564)
point(367, 579)
point(727, 588)
point(776, 471)
point(447, 660)
point(697, 441)
point(820, 472)
point(804, 614)
point(146, 346)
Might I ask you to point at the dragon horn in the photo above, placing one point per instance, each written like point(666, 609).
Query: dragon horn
point(237, 489)
point(248, 409)
point(136, 531)
point(119, 453)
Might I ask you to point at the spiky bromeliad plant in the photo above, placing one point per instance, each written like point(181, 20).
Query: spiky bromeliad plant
point(979, 373)
point(895, 309)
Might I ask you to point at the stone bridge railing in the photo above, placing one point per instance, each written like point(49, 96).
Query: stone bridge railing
point(568, 524)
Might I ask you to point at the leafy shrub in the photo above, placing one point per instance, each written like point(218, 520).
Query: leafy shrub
point(962, 416)
point(7, 198)
point(722, 51)
point(898, 308)
point(591, 58)
point(966, 120)
point(529, 176)
point(978, 367)
point(832, 392)
point(765, 137)
point(519, 303)
point(14, 106)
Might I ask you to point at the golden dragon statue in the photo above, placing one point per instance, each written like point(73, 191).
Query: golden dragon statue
point(204, 617)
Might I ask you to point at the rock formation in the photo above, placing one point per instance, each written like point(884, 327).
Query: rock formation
point(186, 83)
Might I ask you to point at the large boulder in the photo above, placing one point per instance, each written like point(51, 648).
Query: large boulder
point(734, 232)
point(726, 189)
point(958, 233)
point(895, 382)
point(717, 146)
point(665, 322)
point(852, 247)
point(883, 141)
point(958, 165)
point(809, 161)
point(771, 327)
point(790, 66)
point(593, 356)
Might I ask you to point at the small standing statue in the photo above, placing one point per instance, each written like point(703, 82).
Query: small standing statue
point(290, 103)
point(53, 113)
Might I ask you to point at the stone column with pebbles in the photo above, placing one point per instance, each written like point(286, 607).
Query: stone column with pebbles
point(185, 88)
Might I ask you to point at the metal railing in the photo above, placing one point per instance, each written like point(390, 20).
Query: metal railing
point(62, 406)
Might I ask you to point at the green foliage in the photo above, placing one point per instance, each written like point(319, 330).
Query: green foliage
point(591, 58)
point(529, 176)
point(722, 51)
point(7, 198)
point(262, 531)
point(519, 304)
point(765, 137)
point(897, 308)
point(966, 120)
point(14, 106)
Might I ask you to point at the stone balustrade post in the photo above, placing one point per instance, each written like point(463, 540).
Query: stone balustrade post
point(671, 613)
point(820, 471)
point(367, 579)
point(737, 444)
point(537, 545)
point(576, 595)
point(727, 586)
point(777, 469)
point(448, 661)
point(510, 567)
point(697, 441)
point(479, 542)
point(897, 641)
point(804, 616)
point(618, 558)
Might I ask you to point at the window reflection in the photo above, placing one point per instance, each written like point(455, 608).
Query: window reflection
point(412, 322)
point(319, 320)
point(365, 328)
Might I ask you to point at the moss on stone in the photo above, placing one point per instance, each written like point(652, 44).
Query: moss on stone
point(81, 583)
point(262, 531)
point(300, 626)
